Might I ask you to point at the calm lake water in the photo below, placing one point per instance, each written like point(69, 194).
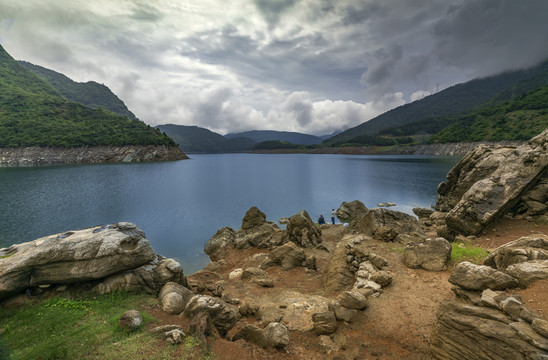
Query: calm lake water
point(180, 205)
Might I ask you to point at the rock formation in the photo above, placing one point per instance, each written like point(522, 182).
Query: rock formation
point(481, 323)
point(492, 180)
point(429, 254)
point(386, 225)
point(73, 256)
point(351, 210)
point(39, 156)
point(303, 231)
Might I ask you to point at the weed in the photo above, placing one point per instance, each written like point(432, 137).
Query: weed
point(465, 251)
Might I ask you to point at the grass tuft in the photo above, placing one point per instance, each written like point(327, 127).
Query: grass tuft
point(465, 251)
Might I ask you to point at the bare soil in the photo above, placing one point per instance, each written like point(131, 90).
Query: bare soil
point(396, 325)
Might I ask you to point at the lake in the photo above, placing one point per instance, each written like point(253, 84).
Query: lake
point(180, 205)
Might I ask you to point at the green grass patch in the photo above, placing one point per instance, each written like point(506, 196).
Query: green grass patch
point(465, 251)
point(83, 327)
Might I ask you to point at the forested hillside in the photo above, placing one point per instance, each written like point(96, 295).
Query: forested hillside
point(91, 94)
point(518, 119)
point(283, 136)
point(34, 113)
point(434, 112)
point(194, 139)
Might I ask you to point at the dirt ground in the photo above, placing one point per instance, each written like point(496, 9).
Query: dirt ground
point(396, 325)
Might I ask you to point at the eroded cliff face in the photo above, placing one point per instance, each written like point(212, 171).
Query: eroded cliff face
point(39, 156)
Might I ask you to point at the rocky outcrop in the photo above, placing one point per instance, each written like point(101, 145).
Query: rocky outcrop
point(289, 256)
point(149, 278)
point(480, 277)
point(223, 316)
point(303, 231)
point(73, 256)
point(527, 248)
point(274, 334)
point(467, 331)
point(429, 254)
point(40, 156)
point(386, 225)
point(255, 231)
point(490, 181)
point(174, 297)
point(350, 210)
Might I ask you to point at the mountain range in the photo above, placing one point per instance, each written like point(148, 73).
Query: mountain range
point(37, 112)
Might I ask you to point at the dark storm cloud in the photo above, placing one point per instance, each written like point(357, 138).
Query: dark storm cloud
point(272, 9)
point(355, 15)
point(490, 36)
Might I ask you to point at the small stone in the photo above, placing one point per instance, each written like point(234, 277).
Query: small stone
point(353, 300)
point(130, 320)
point(265, 283)
point(512, 307)
point(324, 323)
point(235, 274)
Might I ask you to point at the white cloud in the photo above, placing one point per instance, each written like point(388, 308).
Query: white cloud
point(419, 94)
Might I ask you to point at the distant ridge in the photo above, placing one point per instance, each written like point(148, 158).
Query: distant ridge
point(453, 101)
point(194, 139)
point(270, 135)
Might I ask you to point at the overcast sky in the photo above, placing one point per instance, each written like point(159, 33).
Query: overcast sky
point(313, 66)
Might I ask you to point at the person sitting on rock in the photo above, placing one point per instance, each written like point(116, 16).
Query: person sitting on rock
point(321, 220)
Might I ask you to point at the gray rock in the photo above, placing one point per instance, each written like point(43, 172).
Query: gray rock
point(465, 331)
point(223, 316)
point(533, 247)
point(174, 298)
point(353, 300)
point(337, 275)
point(217, 245)
point(488, 182)
point(325, 323)
point(303, 231)
point(268, 283)
point(148, 278)
point(423, 213)
point(386, 225)
point(73, 256)
point(512, 307)
point(253, 273)
point(383, 278)
point(277, 335)
point(430, 254)
point(174, 336)
point(540, 326)
point(342, 313)
point(130, 320)
point(274, 334)
point(351, 210)
point(480, 277)
point(529, 271)
point(288, 256)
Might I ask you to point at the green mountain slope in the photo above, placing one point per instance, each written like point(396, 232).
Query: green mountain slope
point(517, 119)
point(453, 101)
point(33, 113)
point(283, 136)
point(91, 94)
point(194, 139)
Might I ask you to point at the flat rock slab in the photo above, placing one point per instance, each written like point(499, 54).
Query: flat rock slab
point(73, 256)
point(480, 277)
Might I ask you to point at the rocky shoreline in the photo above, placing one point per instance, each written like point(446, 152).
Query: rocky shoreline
point(381, 287)
point(450, 149)
point(40, 156)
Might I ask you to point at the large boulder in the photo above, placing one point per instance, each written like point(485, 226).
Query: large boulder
point(303, 231)
point(274, 334)
point(527, 248)
point(223, 316)
point(348, 211)
point(429, 254)
point(467, 331)
point(218, 244)
point(174, 298)
point(337, 275)
point(73, 256)
point(386, 225)
point(289, 256)
point(474, 199)
point(529, 271)
point(148, 278)
point(480, 277)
